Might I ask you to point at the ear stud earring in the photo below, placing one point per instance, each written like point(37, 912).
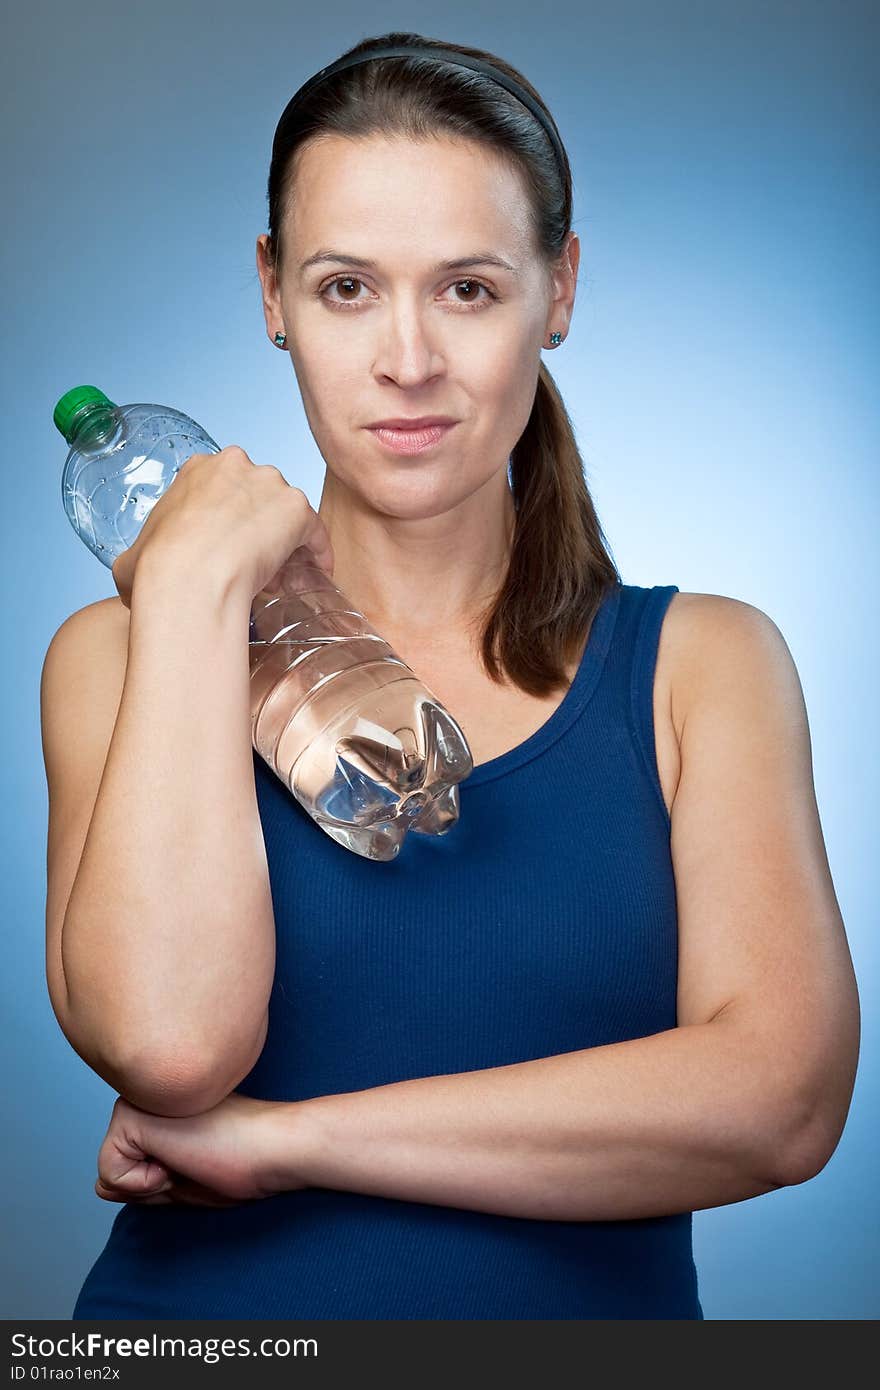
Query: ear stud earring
point(281, 339)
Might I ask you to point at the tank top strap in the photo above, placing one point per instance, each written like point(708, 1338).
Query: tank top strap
point(648, 610)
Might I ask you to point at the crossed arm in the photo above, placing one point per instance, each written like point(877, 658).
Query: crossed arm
point(749, 1092)
point(676, 1121)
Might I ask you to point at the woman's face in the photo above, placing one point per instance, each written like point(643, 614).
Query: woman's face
point(403, 336)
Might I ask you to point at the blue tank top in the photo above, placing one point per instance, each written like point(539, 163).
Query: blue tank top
point(543, 922)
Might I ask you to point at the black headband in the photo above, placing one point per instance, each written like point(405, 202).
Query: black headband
point(446, 55)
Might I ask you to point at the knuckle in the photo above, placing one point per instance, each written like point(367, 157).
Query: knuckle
point(236, 454)
point(269, 470)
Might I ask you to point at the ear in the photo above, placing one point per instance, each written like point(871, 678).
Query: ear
point(271, 298)
point(564, 283)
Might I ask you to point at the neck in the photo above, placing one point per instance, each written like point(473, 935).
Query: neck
point(420, 576)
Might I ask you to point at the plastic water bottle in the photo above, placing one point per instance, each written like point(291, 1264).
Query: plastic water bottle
point(360, 742)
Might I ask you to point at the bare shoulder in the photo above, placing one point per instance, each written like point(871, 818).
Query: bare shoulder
point(706, 638)
point(90, 646)
point(108, 610)
point(106, 620)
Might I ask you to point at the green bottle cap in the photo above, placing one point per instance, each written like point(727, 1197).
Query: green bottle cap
point(74, 405)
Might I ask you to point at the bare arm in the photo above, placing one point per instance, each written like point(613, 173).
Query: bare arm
point(673, 1122)
point(167, 949)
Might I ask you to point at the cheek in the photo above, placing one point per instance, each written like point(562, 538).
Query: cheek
point(510, 389)
point(497, 367)
point(329, 384)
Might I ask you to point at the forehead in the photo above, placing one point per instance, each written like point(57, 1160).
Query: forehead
point(378, 193)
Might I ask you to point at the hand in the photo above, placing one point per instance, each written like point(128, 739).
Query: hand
point(222, 1157)
point(229, 518)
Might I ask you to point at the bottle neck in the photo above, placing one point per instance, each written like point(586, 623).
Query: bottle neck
point(94, 426)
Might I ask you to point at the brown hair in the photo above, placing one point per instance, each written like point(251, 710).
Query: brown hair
point(559, 568)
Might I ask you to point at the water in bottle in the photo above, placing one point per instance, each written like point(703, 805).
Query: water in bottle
point(345, 724)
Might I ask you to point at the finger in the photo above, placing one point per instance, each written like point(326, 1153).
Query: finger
point(324, 558)
point(317, 541)
point(108, 1193)
point(138, 1175)
point(180, 1190)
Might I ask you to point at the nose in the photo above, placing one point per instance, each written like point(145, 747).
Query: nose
point(407, 352)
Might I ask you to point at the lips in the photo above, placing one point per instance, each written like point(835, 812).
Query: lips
point(411, 441)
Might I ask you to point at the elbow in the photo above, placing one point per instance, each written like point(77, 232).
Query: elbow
point(799, 1150)
point(168, 1078)
point(169, 1088)
point(179, 1085)
point(802, 1161)
point(818, 1111)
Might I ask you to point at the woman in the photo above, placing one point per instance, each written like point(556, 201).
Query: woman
point(495, 1077)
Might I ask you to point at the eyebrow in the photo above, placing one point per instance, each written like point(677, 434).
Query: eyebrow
point(461, 263)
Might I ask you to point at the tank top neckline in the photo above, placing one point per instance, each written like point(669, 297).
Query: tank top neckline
point(573, 701)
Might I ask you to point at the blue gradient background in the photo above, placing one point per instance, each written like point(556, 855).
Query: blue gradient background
point(719, 373)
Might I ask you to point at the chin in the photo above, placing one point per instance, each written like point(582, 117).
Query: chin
point(417, 496)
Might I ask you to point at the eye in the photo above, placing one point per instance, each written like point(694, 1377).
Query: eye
point(354, 303)
point(475, 285)
point(345, 280)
